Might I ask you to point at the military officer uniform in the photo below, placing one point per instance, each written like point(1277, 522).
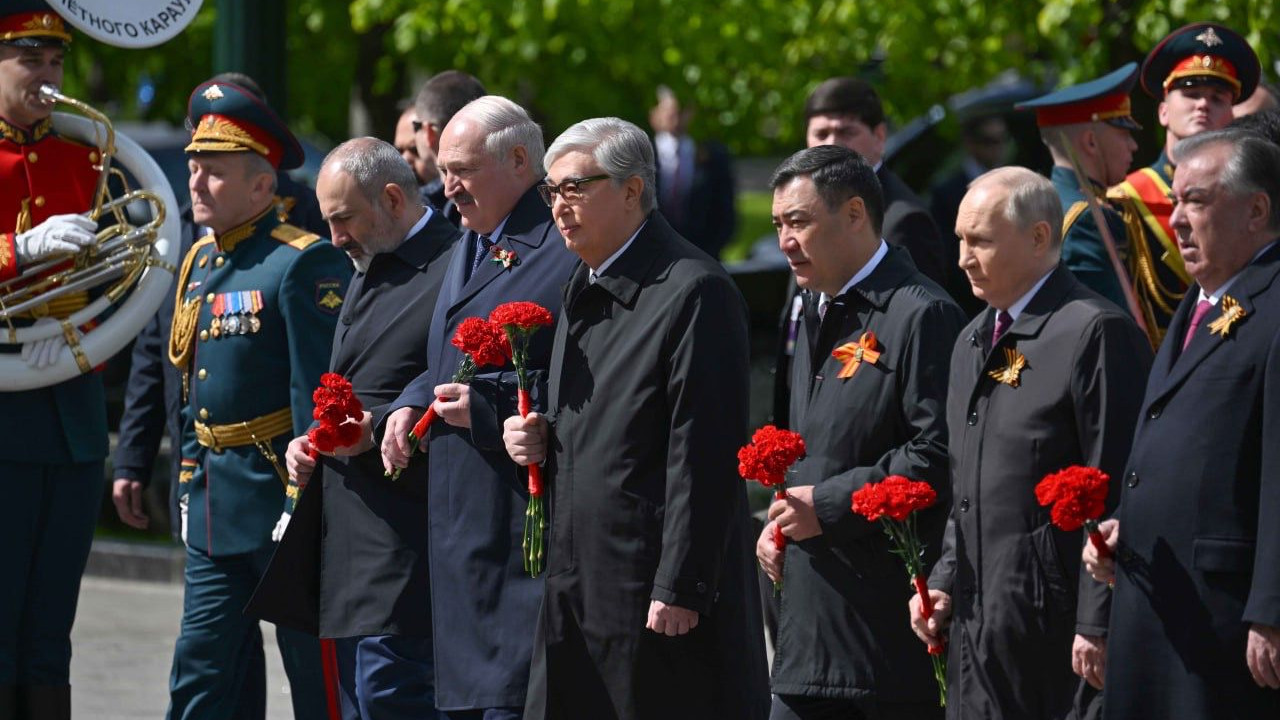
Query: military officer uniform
point(55, 437)
point(1084, 251)
point(1197, 54)
point(253, 316)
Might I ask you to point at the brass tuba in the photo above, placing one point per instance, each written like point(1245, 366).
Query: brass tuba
point(129, 268)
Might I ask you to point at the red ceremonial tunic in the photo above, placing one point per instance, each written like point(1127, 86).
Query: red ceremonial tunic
point(41, 174)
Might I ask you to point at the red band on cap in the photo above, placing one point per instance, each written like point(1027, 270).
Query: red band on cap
point(220, 133)
point(1203, 65)
point(1103, 107)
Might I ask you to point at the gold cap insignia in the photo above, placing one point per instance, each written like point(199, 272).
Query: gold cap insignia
point(213, 92)
point(1209, 38)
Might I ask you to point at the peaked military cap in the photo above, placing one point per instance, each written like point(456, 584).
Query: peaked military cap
point(32, 23)
point(1105, 99)
point(225, 117)
point(1202, 54)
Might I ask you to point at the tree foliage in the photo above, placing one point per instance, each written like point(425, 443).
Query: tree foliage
point(746, 64)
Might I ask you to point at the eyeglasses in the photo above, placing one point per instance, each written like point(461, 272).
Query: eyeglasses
point(569, 189)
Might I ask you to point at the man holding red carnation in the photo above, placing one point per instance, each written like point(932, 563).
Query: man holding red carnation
point(1195, 626)
point(651, 607)
point(1047, 377)
point(868, 387)
point(486, 604)
point(352, 566)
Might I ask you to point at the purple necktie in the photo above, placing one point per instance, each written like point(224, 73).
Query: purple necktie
point(1003, 321)
point(1202, 309)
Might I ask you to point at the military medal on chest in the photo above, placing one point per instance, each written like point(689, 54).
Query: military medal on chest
point(236, 313)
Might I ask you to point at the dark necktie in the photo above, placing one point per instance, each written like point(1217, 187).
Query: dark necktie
point(1003, 321)
point(1197, 317)
point(482, 251)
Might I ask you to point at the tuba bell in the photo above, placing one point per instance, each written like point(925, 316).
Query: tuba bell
point(128, 270)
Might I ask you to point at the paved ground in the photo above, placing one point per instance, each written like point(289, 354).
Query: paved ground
point(122, 644)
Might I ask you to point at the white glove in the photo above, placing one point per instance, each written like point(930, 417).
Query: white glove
point(58, 234)
point(40, 354)
point(281, 525)
point(183, 501)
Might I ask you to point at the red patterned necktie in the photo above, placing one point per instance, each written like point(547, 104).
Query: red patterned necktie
point(1202, 309)
point(1003, 321)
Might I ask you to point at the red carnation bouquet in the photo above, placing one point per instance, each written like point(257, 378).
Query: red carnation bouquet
point(482, 344)
point(766, 460)
point(339, 413)
point(521, 320)
point(1079, 497)
point(894, 502)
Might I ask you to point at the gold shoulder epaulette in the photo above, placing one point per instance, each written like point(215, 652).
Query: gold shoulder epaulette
point(294, 237)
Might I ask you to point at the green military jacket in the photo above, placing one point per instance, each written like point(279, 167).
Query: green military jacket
point(253, 322)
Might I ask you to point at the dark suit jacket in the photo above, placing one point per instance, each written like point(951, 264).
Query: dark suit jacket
point(907, 224)
point(842, 630)
point(1013, 576)
point(485, 604)
point(648, 399)
point(1200, 540)
point(354, 559)
point(706, 213)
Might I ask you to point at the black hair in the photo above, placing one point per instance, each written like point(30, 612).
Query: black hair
point(838, 174)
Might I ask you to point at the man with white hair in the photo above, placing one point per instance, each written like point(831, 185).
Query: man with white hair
point(651, 609)
point(1047, 377)
point(485, 604)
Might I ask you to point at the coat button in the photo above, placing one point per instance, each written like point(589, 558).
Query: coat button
point(219, 262)
point(208, 298)
point(1131, 480)
point(1154, 412)
point(39, 201)
point(204, 413)
point(973, 418)
point(202, 374)
point(93, 156)
point(204, 334)
point(964, 504)
point(32, 157)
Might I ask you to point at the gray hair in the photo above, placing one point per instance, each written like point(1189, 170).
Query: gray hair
point(1032, 199)
point(256, 164)
point(506, 126)
point(1250, 168)
point(373, 164)
point(621, 149)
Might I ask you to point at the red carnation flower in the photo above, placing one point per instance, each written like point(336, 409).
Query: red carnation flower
point(483, 340)
point(1078, 495)
point(524, 316)
point(770, 454)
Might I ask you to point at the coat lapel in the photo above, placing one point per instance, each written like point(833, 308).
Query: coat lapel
point(519, 235)
point(1254, 279)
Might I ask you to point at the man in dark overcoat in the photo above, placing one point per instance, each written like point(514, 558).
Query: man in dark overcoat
point(352, 565)
point(843, 649)
point(1048, 377)
point(651, 609)
point(1195, 621)
point(485, 604)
